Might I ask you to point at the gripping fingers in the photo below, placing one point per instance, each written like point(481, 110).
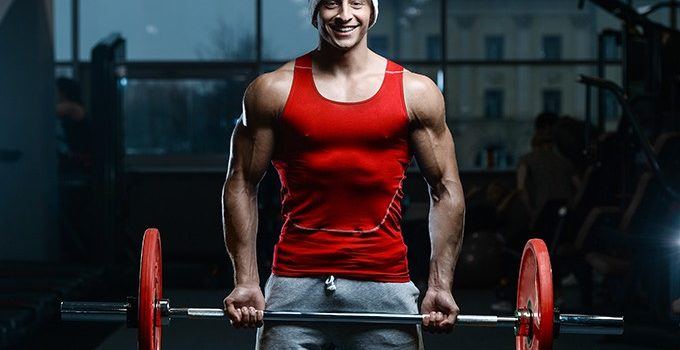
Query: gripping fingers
point(430, 322)
point(234, 315)
point(437, 322)
point(260, 318)
point(439, 317)
point(447, 324)
point(247, 318)
point(253, 317)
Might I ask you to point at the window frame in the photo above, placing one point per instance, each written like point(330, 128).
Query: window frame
point(213, 69)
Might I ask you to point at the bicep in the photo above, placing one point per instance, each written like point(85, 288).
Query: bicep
point(252, 142)
point(252, 146)
point(434, 149)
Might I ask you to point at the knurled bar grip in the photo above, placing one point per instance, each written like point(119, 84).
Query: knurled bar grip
point(340, 317)
point(569, 323)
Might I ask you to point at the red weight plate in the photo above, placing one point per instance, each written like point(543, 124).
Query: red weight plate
point(150, 291)
point(535, 292)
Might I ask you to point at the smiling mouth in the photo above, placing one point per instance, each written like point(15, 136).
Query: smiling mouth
point(344, 30)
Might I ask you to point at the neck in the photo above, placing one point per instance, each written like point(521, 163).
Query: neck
point(332, 59)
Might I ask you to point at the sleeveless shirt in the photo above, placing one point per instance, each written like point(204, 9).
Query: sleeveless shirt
point(341, 167)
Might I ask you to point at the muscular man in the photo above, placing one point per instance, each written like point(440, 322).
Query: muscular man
point(340, 125)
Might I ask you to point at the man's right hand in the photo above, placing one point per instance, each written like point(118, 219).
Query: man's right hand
point(245, 306)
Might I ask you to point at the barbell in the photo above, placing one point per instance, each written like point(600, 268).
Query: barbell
point(535, 322)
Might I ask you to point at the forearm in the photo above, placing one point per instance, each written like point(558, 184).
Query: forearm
point(239, 219)
point(446, 221)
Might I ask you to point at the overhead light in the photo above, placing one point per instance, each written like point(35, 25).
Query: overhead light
point(151, 29)
point(412, 11)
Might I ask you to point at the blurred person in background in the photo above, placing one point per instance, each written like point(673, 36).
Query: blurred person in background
point(75, 166)
point(545, 178)
point(73, 128)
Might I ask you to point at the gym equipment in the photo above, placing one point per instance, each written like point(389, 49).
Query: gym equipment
point(535, 321)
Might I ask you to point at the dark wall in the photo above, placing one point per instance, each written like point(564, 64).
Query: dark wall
point(28, 184)
point(185, 207)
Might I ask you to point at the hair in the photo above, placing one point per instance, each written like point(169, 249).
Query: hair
point(541, 138)
point(70, 89)
point(545, 120)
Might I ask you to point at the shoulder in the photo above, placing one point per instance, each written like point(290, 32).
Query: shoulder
point(274, 85)
point(71, 110)
point(266, 95)
point(424, 100)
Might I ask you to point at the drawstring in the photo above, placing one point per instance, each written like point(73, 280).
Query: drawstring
point(330, 284)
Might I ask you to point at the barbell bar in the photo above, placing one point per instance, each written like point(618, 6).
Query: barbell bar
point(536, 322)
point(121, 312)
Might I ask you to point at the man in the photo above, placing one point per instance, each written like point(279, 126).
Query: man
point(73, 128)
point(544, 177)
point(340, 124)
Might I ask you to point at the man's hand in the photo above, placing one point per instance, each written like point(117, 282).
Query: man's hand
point(245, 306)
point(441, 311)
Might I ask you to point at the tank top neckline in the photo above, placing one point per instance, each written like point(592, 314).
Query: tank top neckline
point(308, 59)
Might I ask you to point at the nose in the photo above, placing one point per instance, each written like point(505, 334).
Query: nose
point(345, 14)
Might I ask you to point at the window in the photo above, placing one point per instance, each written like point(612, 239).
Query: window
point(611, 48)
point(62, 30)
point(493, 156)
point(182, 116)
point(611, 106)
point(172, 29)
point(378, 43)
point(287, 30)
point(552, 101)
point(494, 47)
point(408, 25)
point(552, 47)
point(63, 71)
point(493, 104)
point(434, 47)
point(485, 100)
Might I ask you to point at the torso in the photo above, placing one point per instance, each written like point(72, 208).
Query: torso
point(354, 89)
point(342, 151)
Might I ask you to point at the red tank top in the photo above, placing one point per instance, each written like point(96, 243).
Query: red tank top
point(341, 166)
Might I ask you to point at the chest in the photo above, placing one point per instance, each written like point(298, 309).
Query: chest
point(348, 89)
point(341, 126)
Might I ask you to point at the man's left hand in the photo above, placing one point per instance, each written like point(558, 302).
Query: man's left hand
point(440, 310)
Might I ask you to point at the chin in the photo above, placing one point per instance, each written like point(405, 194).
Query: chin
point(344, 45)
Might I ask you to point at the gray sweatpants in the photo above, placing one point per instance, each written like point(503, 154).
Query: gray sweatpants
point(315, 295)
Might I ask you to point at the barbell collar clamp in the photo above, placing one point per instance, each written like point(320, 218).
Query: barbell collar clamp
point(522, 326)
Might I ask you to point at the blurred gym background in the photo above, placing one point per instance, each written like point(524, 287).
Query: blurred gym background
point(116, 116)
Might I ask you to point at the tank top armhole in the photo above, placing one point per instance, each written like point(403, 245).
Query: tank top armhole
point(291, 92)
point(400, 83)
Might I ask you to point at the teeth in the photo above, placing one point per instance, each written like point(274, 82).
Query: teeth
point(345, 29)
